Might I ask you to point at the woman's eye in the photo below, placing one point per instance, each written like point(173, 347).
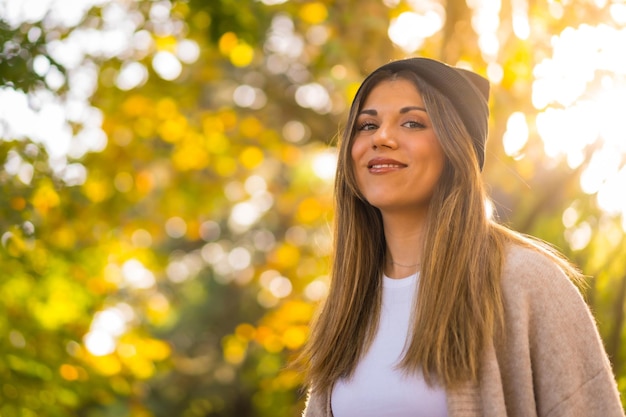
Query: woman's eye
point(366, 126)
point(414, 125)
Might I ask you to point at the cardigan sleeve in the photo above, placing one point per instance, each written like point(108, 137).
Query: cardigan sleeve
point(554, 357)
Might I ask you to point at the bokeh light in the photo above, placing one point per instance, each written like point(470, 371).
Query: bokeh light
point(516, 134)
point(410, 29)
point(325, 164)
point(136, 275)
point(313, 96)
point(581, 101)
point(106, 327)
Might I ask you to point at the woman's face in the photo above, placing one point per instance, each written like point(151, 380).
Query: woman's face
point(396, 155)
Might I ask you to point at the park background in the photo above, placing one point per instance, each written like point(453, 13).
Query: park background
point(167, 172)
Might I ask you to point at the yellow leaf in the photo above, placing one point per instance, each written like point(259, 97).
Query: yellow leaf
point(190, 155)
point(165, 43)
point(144, 182)
point(297, 311)
point(61, 304)
point(225, 166)
point(289, 379)
point(285, 256)
point(166, 108)
point(273, 344)
point(144, 127)
point(107, 365)
point(251, 157)
point(268, 339)
point(155, 349)
point(313, 13)
point(217, 142)
point(18, 203)
point(158, 309)
point(15, 290)
point(291, 155)
point(234, 349)
point(212, 124)
point(68, 372)
point(251, 127)
point(97, 189)
point(241, 55)
point(309, 210)
point(172, 130)
point(228, 42)
point(228, 118)
point(295, 336)
point(65, 237)
point(45, 198)
point(123, 182)
point(351, 90)
point(136, 105)
point(141, 368)
point(245, 331)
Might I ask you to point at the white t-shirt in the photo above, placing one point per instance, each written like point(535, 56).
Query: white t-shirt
point(377, 387)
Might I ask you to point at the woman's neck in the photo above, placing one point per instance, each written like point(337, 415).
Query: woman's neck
point(404, 237)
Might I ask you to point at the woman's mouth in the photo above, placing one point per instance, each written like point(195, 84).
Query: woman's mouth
point(382, 165)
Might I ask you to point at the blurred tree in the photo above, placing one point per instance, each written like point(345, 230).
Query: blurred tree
point(167, 257)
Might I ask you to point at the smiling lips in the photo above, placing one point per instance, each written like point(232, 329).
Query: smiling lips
point(384, 165)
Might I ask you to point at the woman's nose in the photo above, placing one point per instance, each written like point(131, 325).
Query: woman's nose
point(385, 136)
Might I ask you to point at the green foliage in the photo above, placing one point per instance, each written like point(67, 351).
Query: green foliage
point(16, 58)
point(248, 19)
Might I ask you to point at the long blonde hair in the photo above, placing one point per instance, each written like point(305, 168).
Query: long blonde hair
point(459, 302)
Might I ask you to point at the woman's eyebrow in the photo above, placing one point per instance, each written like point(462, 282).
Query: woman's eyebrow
point(409, 108)
point(373, 112)
point(370, 112)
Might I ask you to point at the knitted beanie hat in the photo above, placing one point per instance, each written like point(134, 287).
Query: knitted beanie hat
point(468, 92)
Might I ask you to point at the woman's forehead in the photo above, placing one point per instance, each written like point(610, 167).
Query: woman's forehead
point(399, 91)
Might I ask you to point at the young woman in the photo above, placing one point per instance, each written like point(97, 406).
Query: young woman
point(435, 309)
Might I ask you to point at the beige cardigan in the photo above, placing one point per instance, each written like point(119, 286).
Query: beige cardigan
point(550, 363)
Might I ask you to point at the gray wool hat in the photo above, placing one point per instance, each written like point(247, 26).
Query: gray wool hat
point(468, 92)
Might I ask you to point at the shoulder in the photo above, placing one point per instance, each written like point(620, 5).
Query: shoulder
point(527, 261)
point(532, 271)
point(537, 291)
point(551, 343)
